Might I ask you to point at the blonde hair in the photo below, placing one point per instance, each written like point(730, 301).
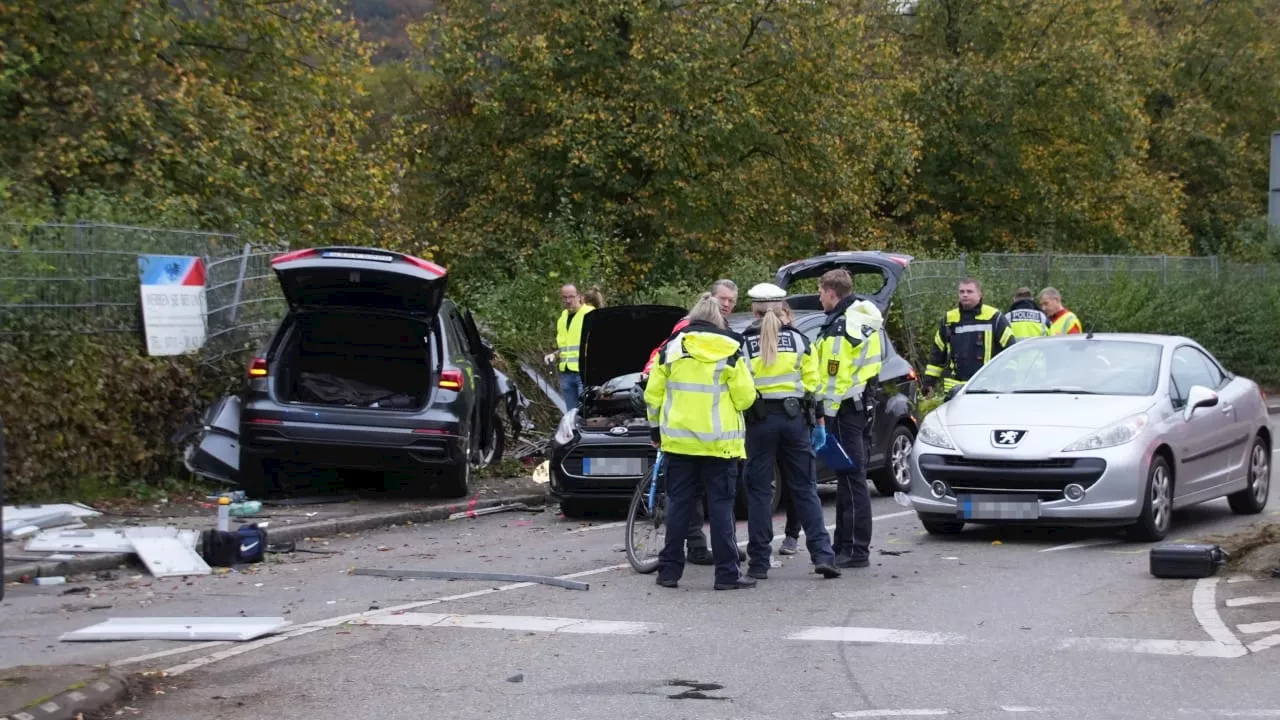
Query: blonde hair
point(773, 315)
point(707, 310)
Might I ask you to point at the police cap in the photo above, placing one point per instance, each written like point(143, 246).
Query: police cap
point(767, 292)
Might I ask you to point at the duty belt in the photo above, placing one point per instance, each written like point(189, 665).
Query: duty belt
point(762, 407)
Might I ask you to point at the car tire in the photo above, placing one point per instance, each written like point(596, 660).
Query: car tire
point(456, 483)
point(740, 498)
point(895, 476)
point(576, 509)
point(940, 525)
point(1253, 499)
point(1157, 504)
point(491, 454)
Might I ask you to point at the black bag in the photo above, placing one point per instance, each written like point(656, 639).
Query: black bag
point(224, 548)
point(1187, 561)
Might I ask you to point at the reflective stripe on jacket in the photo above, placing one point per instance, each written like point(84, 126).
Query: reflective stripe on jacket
point(850, 354)
point(1064, 322)
point(569, 337)
point(795, 371)
point(965, 341)
point(1027, 320)
point(697, 392)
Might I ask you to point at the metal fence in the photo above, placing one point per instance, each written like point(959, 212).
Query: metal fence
point(83, 278)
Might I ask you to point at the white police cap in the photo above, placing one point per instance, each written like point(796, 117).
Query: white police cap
point(767, 292)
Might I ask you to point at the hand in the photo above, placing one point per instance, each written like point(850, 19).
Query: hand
point(819, 437)
point(549, 358)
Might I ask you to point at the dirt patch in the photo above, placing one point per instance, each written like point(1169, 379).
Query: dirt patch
point(138, 687)
point(1254, 550)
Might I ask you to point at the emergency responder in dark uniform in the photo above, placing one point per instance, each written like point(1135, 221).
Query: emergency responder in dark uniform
point(967, 338)
point(850, 348)
point(779, 427)
point(695, 397)
point(1027, 320)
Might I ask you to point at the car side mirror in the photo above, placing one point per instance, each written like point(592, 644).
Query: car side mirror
point(1199, 397)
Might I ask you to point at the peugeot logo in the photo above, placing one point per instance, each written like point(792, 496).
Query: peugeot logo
point(1007, 438)
point(618, 430)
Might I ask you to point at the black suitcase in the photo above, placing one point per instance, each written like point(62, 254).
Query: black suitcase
point(1187, 561)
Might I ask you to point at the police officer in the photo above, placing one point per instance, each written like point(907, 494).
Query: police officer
point(850, 347)
point(1027, 320)
point(967, 338)
point(695, 397)
point(779, 424)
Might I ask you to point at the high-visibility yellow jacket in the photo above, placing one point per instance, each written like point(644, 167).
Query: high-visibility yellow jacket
point(569, 337)
point(1027, 320)
point(1064, 322)
point(697, 392)
point(965, 341)
point(850, 352)
point(795, 371)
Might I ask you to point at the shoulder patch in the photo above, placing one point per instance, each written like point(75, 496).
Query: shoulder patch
point(833, 367)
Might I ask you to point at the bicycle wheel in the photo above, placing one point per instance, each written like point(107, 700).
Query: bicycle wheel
point(646, 522)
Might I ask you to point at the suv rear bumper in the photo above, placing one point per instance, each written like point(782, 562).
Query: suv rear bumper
point(351, 447)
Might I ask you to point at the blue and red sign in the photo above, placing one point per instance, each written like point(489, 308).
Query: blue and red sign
point(171, 270)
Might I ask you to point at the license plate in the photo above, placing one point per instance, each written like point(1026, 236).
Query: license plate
point(613, 466)
point(998, 507)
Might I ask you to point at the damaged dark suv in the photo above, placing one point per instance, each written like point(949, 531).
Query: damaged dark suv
point(372, 368)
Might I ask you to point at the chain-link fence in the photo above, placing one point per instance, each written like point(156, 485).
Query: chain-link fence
point(83, 278)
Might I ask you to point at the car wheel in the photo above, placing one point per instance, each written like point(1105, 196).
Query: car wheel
point(940, 524)
point(1157, 505)
point(576, 509)
point(491, 453)
point(457, 482)
point(740, 498)
point(895, 476)
point(1253, 499)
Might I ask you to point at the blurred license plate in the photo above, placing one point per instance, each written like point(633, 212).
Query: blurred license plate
point(998, 507)
point(612, 466)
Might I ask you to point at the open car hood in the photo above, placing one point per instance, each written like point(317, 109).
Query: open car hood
point(356, 278)
point(888, 266)
point(617, 340)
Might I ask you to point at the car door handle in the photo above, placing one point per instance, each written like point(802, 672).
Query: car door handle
point(1225, 408)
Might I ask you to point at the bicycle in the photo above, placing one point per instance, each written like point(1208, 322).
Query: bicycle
point(647, 514)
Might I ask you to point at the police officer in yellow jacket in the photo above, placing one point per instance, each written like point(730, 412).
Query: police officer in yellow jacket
point(785, 369)
point(695, 397)
point(850, 350)
point(1027, 320)
point(967, 338)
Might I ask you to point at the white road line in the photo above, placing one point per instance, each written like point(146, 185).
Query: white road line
point(1255, 628)
point(1240, 579)
point(1269, 641)
point(593, 528)
point(1186, 648)
point(1253, 600)
point(1082, 544)
point(1022, 709)
point(874, 635)
point(307, 628)
point(524, 623)
point(1204, 604)
point(1230, 713)
point(920, 712)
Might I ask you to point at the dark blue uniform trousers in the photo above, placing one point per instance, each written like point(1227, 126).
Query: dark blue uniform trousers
point(853, 499)
point(688, 476)
point(783, 441)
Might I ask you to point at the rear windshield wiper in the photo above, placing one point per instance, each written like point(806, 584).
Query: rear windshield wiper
point(1054, 391)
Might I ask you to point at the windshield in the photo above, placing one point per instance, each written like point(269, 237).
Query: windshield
point(1094, 367)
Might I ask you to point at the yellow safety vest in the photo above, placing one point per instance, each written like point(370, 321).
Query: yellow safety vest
point(1066, 324)
point(569, 337)
point(851, 354)
point(1028, 323)
point(697, 392)
point(795, 371)
point(956, 344)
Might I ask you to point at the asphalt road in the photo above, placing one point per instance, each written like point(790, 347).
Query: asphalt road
point(1047, 624)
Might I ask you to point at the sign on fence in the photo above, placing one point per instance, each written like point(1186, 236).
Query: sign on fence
point(173, 303)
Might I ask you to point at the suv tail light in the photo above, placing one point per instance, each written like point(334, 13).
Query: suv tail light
point(451, 379)
point(293, 255)
point(425, 265)
point(258, 368)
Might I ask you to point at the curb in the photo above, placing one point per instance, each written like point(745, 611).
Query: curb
point(323, 528)
point(70, 704)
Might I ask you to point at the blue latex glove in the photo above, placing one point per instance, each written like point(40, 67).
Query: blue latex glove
point(819, 436)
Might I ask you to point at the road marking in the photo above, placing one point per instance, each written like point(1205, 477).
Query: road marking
point(1253, 600)
point(307, 628)
point(1021, 709)
point(874, 635)
point(592, 528)
point(1230, 713)
point(1269, 641)
point(1082, 544)
point(1187, 648)
point(525, 623)
point(1204, 604)
point(921, 712)
point(1240, 579)
point(1255, 628)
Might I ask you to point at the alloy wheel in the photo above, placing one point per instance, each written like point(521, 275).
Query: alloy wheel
point(1259, 472)
point(1160, 501)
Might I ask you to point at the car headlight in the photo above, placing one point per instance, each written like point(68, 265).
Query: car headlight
point(932, 432)
point(566, 429)
point(1117, 434)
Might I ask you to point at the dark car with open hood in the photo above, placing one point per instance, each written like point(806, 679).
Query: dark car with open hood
point(372, 368)
point(601, 448)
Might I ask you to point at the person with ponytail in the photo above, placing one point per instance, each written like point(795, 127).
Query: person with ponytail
point(780, 429)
